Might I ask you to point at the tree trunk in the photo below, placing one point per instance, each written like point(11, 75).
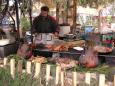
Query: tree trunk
point(99, 20)
point(57, 12)
point(66, 12)
point(74, 15)
point(17, 18)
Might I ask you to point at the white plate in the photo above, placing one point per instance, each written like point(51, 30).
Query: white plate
point(78, 48)
point(4, 42)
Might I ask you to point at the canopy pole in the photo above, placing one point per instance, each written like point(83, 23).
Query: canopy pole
point(30, 15)
point(17, 18)
point(74, 15)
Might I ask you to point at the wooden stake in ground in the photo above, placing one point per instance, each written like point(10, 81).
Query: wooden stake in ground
point(5, 61)
point(58, 69)
point(28, 67)
point(102, 80)
point(87, 78)
point(47, 74)
point(12, 67)
point(114, 81)
point(74, 78)
point(37, 70)
point(62, 78)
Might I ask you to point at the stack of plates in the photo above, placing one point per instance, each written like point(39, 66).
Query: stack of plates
point(78, 48)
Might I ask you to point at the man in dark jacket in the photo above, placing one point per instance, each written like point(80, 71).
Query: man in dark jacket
point(45, 23)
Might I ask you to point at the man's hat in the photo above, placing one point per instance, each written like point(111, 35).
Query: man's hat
point(45, 8)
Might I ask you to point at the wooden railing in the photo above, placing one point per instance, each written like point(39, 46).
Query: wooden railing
point(59, 74)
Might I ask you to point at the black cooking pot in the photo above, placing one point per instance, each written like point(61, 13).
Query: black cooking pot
point(70, 36)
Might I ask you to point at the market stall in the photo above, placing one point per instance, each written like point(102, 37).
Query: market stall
point(63, 48)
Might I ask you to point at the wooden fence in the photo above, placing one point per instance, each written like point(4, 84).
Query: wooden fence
point(59, 75)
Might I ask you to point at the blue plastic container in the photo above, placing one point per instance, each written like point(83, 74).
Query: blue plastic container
point(88, 29)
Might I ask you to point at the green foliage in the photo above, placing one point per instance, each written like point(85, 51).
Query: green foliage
point(5, 77)
point(102, 69)
point(25, 6)
point(23, 80)
point(25, 24)
point(29, 80)
point(60, 1)
point(91, 3)
point(17, 58)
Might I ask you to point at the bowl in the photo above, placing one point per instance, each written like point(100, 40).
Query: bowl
point(70, 36)
point(78, 48)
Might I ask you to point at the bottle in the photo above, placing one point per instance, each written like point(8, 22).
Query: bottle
point(5, 22)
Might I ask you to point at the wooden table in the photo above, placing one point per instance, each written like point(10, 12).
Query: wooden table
point(104, 58)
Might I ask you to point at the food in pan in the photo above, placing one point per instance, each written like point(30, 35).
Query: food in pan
point(60, 47)
point(102, 49)
point(64, 62)
point(78, 48)
point(37, 59)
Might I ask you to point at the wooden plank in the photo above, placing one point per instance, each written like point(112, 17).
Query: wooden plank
point(102, 80)
point(114, 81)
point(5, 61)
point(47, 74)
point(58, 69)
point(28, 67)
point(37, 70)
point(74, 78)
point(12, 68)
point(62, 78)
point(87, 78)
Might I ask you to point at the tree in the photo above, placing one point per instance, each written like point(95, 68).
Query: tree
point(98, 4)
point(94, 3)
point(3, 8)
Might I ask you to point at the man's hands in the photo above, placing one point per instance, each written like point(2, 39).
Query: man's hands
point(56, 35)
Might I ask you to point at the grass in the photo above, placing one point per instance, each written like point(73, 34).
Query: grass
point(29, 80)
point(102, 69)
point(23, 80)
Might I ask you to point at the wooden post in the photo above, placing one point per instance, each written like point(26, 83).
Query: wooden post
point(57, 11)
point(37, 70)
point(87, 78)
point(58, 69)
point(17, 18)
point(74, 15)
point(28, 67)
point(74, 78)
point(47, 74)
point(67, 11)
point(12, 67)
point(99, 16)
point(114, 81)
point(5, 61)
point(62, 78)
point(102, 80)
point(30, 18)
point(99, 20)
